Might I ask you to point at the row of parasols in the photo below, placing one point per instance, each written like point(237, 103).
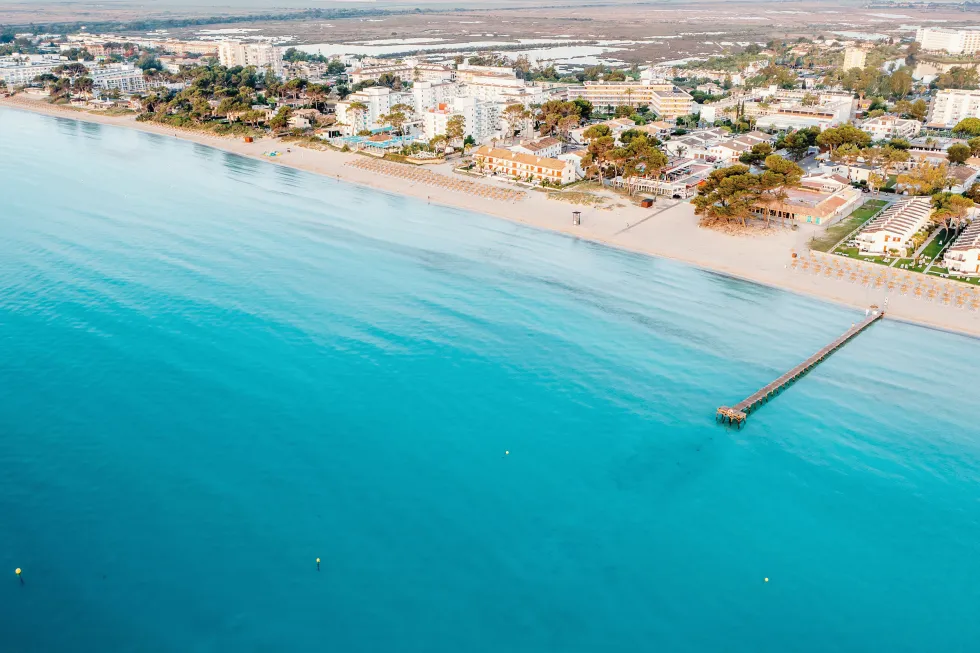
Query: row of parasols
point(917, 285)
point(429, 178)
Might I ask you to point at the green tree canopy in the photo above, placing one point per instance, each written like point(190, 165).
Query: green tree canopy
point(847, 134)
point(967, 127)
point(958, 153)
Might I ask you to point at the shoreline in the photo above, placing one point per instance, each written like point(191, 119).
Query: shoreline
point(667, 230)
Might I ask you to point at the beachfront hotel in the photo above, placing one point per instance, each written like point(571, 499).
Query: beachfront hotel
point(894, 228)
point(480, 118)
point(664, 99)
point(963, 256)
point(20, 70)
point(377, 100)
point(524, 166)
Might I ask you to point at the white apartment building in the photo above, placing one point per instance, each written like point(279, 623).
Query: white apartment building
point(501, 85)
point(261, 55)
point(893, 229)
point(378, 101)
point(481, 118)
point(409, 70)
point(664, 99)
point(372, 73)
point(884, 127)
point(953, 105)
point(20, 70)
point(426, 95)
point(963, 256)
point(855, 58)
point(953, 41)
point(125, 78)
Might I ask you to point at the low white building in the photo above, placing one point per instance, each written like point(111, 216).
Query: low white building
point(680, 179)
point(729, 150)
point(962, 178)
point(548, 147)
point(575, 158)
point(963, 256)
point(893, 229)
point(885, 127)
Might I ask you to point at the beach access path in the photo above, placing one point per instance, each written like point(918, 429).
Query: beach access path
point(672, 233)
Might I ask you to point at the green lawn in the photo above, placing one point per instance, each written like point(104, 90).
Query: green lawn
point(938, 244)
point(835, 233)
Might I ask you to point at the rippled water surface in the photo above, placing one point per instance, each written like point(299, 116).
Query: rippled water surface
point(215, 370)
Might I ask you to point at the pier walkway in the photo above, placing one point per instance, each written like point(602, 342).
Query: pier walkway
point(738, 413)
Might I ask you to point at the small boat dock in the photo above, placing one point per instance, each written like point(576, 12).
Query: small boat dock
point(738, 413)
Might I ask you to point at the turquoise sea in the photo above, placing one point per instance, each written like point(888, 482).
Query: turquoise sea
point(215, 370)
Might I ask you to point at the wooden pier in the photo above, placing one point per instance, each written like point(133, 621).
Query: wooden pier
point(738, 413)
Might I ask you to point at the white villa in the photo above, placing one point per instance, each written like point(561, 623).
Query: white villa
point(894, 228)
point(884, 127)
point(963, 256)
point(548, 147)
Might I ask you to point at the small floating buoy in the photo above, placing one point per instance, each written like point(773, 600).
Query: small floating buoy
point(318, 564)
point(767, 580)
point(506, 453)
point(17, 571)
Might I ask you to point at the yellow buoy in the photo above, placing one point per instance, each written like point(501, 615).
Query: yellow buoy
point(767, 580)
point(17, 571)
point(318, 561)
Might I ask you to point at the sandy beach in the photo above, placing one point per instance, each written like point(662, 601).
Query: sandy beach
point(669, 229)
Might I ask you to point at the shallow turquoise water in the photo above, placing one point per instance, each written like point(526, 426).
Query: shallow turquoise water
point(215, 370)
